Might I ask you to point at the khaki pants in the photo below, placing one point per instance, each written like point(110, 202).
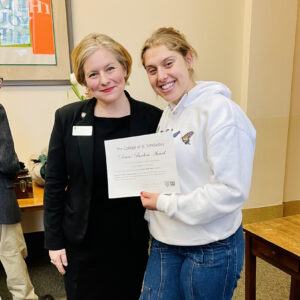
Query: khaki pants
point(13, 250)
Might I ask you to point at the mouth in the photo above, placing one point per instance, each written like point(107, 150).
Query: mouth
point(107, 90)
point(168, 86)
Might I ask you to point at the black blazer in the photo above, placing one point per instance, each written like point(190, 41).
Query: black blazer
point(9, 169)
point(68, 186)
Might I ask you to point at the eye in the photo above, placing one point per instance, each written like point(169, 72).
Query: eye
point(109, 69)
point(91, 75)
point(169, 63)
point(151, 71)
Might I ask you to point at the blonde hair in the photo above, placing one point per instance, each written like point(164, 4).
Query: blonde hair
point(91, 43)
point(170, 37)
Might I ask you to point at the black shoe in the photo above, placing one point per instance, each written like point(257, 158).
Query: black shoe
point(46, 297)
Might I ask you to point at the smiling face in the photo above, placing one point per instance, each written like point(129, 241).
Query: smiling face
point(169, 72)
point(104, 76)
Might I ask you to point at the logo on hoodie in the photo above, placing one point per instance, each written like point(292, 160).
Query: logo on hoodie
point(187, 136)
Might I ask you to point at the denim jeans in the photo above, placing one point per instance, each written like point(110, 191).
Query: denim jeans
point(206, 272)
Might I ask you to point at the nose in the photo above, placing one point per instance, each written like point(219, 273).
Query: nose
point(161, 74)
point(103, 79)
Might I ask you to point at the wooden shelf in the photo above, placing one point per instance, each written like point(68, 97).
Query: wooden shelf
point(35, 203)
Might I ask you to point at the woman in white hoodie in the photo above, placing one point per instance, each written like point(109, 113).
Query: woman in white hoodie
point(197, 246)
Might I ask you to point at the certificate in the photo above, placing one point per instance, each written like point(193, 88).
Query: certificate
point(141, 163)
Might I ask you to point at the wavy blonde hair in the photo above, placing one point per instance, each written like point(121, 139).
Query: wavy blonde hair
point(170, 37)
point(91, 43)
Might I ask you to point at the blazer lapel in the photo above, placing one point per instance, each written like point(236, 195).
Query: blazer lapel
point(86, 143)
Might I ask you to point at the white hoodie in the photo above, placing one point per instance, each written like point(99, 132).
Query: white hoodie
point(214, 144)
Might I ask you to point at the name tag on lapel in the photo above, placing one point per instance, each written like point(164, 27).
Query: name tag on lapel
point(82, 130)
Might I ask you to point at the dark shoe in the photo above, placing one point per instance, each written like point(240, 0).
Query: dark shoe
point(46, 297)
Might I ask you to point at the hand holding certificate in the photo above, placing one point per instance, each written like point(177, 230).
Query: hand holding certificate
point(141, 163)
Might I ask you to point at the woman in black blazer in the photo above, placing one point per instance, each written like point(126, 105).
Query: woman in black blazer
point(99, 244)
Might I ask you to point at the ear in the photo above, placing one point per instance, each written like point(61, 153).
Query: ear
point(125, 71)
point(189, 59)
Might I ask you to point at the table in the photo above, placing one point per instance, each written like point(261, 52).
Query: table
point(276, 241)
point(35, 203)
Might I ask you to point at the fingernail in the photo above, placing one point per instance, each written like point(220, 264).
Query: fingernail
point(141, 193)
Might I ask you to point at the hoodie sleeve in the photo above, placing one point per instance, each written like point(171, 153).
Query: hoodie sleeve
point(9, 163)
point(230, 152)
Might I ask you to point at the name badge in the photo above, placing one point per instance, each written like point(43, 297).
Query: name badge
point(82, 130)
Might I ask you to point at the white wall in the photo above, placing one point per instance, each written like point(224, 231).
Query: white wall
point(30, 112)
point(270, 72)
point(213, 27)
point(292, 175)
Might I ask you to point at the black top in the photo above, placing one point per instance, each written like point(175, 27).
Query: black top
point(107, 216)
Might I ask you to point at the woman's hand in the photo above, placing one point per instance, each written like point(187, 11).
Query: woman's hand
point(59, 259)
point(149, 200)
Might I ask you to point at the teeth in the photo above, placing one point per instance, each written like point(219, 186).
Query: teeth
point(166, 86)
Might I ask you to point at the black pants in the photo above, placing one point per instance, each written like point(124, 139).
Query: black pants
point(110, 272)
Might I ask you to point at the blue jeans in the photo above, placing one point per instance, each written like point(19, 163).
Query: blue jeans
point(207, 272)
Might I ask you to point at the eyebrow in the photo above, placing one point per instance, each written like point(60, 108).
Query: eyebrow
point(162, 61)
point(104, 67)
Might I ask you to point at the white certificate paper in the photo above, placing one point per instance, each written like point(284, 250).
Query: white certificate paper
point(141, 163)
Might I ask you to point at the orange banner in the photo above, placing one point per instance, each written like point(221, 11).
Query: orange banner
point(41, 26)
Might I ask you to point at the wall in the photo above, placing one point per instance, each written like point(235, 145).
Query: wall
point(292, 175)
point(213, 27)
point(270, 54)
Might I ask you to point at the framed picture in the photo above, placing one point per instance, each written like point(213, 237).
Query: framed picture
point(36, 40)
